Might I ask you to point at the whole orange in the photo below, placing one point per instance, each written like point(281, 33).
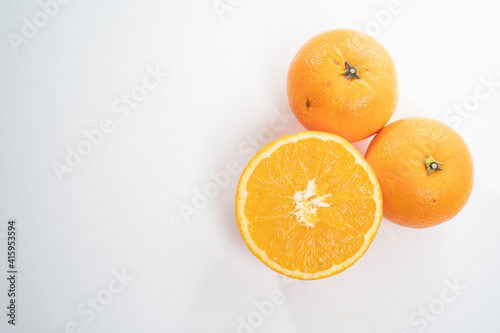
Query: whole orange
point(343, 82)
point(425, 171)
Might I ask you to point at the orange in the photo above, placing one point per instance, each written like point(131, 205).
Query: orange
point(308, 205)
point(343, 82)
point(425, 170)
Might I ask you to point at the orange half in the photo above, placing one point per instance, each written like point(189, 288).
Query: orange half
point(308, 205)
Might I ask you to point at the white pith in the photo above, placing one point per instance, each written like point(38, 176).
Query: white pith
point(306, 203)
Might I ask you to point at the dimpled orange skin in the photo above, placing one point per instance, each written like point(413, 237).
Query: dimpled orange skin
point(323, 100)
point(412, 197)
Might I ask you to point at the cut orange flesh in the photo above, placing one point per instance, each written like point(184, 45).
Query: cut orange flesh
point(308, 205)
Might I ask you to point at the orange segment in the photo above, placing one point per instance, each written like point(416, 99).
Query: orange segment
point(308, 205)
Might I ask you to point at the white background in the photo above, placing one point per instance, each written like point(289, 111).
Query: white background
point(119, 209)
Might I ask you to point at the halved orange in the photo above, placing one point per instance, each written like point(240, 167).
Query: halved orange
point(308, 205)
